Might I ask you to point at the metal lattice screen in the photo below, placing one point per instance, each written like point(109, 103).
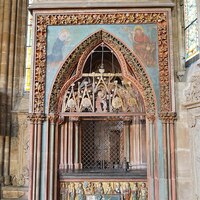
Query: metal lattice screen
point(102, 144)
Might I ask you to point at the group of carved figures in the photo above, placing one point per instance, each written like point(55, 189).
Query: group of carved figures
point(102, 94)
point(103, 191)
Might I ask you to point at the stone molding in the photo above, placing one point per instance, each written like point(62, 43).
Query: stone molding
point(98, 4)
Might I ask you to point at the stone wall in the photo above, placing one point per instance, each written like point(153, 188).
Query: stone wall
point(192, 107)
point(12, 66)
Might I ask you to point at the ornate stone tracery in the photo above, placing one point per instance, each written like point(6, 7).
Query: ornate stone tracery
point(85, 48)
point(101, 92)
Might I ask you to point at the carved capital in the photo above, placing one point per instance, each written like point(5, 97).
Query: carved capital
point(167, 117)
point(127, 120)
point(31, 117)
point(74, 119)
point(53, 118)
point(36, 117)
point(151, 117)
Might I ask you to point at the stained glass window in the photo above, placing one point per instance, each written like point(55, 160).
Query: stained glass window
point(191, 29)
point(28, 52)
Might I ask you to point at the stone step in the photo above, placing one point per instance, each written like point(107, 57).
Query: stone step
point(13, 193)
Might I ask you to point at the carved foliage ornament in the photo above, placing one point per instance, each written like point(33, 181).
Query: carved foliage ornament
point(36, 117)
point(168, 117)
point(160, 18)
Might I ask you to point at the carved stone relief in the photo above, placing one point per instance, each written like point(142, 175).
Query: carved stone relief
point(103, 190)
point(193, 92)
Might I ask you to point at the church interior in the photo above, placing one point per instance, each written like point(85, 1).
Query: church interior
point(99, 100)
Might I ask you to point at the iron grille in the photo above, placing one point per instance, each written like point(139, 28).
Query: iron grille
point(102, 144)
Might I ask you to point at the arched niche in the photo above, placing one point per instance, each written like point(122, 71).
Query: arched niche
point(78, 108)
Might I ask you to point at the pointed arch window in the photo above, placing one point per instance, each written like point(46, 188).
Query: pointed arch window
point(191, 29)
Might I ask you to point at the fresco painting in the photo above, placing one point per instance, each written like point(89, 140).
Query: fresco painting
point(61, 40)
point(144, 46)
point(56, 55)
point(141, 38)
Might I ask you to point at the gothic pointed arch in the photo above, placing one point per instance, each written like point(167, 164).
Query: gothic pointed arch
point(125, 56)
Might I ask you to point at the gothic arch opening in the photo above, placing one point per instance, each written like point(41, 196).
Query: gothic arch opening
point(102, 95)
point(101, 107)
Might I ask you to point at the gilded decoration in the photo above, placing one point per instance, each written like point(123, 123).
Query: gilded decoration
point(103, 190)
point(160, 18)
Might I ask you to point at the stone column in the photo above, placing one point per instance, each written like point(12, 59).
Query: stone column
point(65, 147)
point(11, 13)
point(127, 122)
point(52, 162)
point(62, 142)
point(137, 142)
point(150, 143)
point(172, 155)
point(1, 158)
point(70, 144)
point(169, 153)
point(80, 147)
point(32, 129)
point(142, 141)
point(5, 132)
point(77, 146)
point(36, 121)
point(40, 119)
